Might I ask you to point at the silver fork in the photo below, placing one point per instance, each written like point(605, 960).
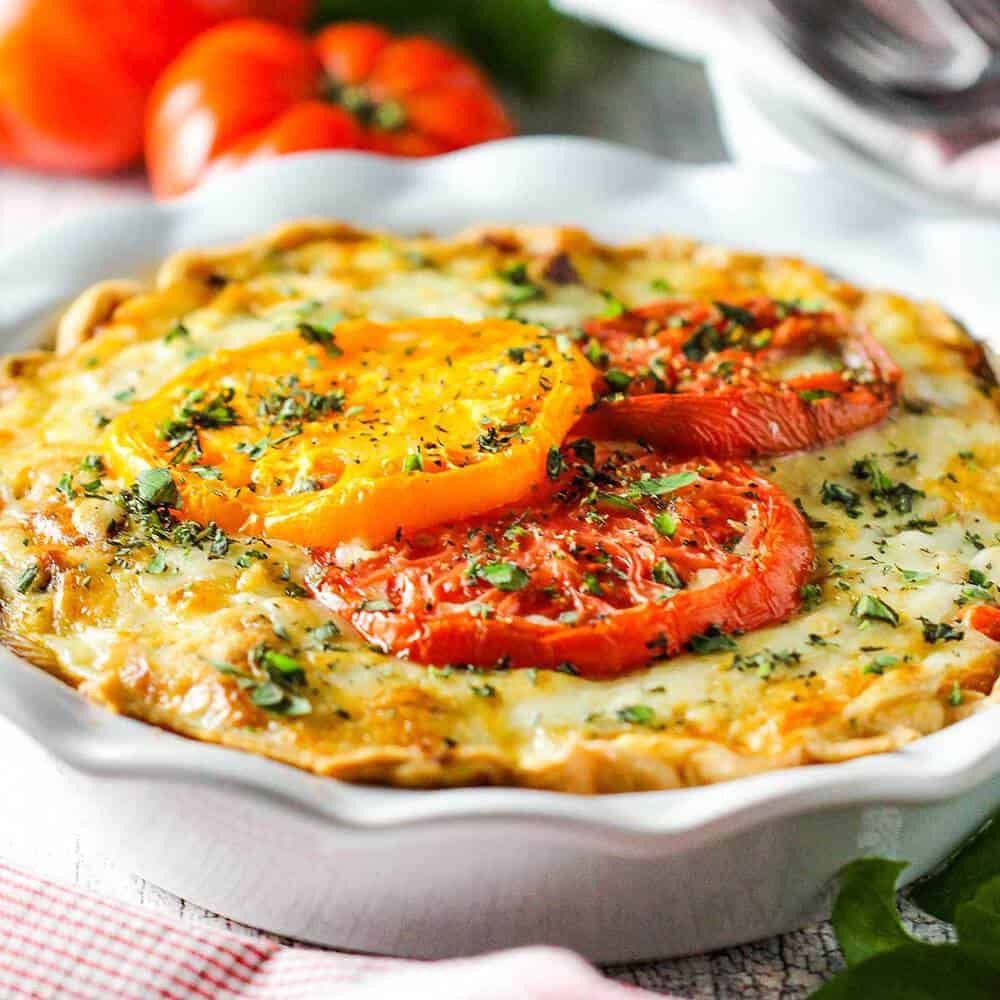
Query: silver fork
point(941, 81)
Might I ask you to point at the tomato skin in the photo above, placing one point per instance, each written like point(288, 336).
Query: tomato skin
point(600, 572)
point(233, 94)
point(694, 412)
point(75, 74)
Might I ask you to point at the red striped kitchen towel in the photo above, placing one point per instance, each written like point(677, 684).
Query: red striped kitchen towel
point(57, 942)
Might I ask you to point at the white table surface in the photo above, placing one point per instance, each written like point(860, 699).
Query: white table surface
point(42, 830)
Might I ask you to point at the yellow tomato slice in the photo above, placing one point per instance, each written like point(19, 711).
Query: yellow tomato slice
point(319, 437)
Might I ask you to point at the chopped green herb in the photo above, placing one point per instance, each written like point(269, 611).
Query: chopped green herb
point(157, 488)
point(413, 462)
point(664, 572)
point(656, 487)
point(665, 523)
point(637, 715)
point(65, 486)
point(375, 605)
point(705, 340)
point(177, 332)
point(811, 594)
point(503, 575)
point(207, 471)
point(323, 337)
point(26, 580)
point(875, 609)
point(158, 564)
point(834, 493)
point(975, 540)
point(735, 314)
point(881, 663)
point(614, 501)
point(618, 380)
point(713, 640)
point(940, 631)
point(554, 464)
point(613, 306)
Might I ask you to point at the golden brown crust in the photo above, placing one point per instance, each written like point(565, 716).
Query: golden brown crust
point(92, 309)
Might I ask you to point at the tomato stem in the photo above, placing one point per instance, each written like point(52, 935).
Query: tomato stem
point(387, 116)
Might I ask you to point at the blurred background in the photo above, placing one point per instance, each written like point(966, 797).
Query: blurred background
point(100, 99)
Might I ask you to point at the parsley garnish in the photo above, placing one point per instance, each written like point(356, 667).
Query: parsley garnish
point(181, 432)
point(735, 314)
point(665, 484)
point(834, 493)
point(875, 609)
point(811, 594)
point(940, 631)
point(666, 524)
point(813, 395)
point(158, 564)
point(881, 663)
point(376, 605)
point(554, 464)
point(503, 575)
point(712, 640)
point(637, 715)
point(29, 575)
point(157, 488)
point(521, 288)
point(613, 306)
point(322, 337)
point(664, 572)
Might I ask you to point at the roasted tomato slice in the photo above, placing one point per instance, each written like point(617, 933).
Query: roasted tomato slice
point(621, 556)
point(333, 434)
point(727, 380)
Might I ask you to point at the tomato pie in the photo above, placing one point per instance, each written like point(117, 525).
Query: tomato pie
point(510, 507)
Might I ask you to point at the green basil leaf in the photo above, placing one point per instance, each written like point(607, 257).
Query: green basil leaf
point(978, 921)
point(917, 972)
point(865, 918)
point(976, 862)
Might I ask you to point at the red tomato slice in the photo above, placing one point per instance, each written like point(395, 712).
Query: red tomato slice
point(701, 379)
point(620, 557)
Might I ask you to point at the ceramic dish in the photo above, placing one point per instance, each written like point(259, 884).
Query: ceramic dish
point(433, 873)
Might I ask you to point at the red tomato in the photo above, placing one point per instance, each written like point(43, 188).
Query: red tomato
point(696, 379)
point(621, 558)
point(985, 618)
point(75, 74)
point(252, 89)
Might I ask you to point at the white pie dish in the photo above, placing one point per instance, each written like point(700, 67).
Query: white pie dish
point(431, 873)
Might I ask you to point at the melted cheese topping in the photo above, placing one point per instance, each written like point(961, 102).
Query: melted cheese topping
point(175, 625)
